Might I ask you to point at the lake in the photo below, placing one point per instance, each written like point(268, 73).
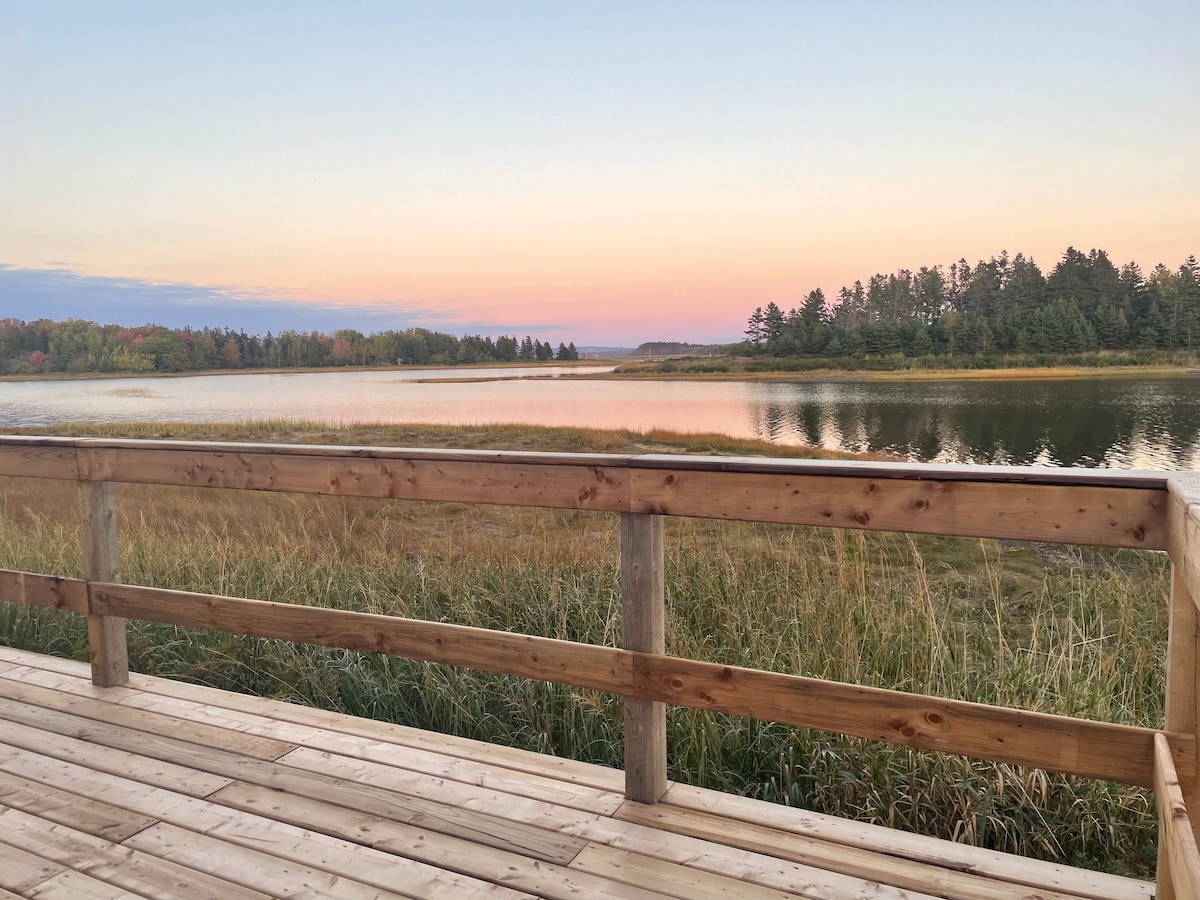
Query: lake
point(1151, 423)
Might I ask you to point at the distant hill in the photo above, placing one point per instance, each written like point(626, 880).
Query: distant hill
point(660, 349)
point(603, 352)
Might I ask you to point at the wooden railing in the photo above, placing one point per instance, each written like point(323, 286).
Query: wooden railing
point(1145, 510)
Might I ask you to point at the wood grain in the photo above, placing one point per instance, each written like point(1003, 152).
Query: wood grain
point(870, 865)
point(420, 843)
point(1075, 746)
point(1040, 875)
point(643, 602)
point(93, 816)
point(858, 468)
point(121, 867)
point(1183, 695)
point(1183, 645)
point(102, 562)
point(1174, 829)
point(545, 659)
point(317, 819)
point(1102, 516)
point(38, 457)
point(512, 483)
point(43, 590)
point(1081, 747)
point(1183, 518)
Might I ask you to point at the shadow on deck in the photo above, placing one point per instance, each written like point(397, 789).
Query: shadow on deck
point(161, 789)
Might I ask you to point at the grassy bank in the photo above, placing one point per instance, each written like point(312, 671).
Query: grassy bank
point(930, 368)
point(303, 370)
point(1074, 632)
point(704, 372)
point(462, 437)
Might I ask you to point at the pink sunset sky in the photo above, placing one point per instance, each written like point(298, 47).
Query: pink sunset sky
point(604, 174)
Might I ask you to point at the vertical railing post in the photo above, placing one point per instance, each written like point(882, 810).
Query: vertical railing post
point(643, 613)
point(101, 562)
point(1183, 643)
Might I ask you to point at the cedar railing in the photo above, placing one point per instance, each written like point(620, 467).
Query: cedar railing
point(1144, 510)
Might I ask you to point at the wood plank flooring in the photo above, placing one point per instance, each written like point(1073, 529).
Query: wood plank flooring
point(162, 789)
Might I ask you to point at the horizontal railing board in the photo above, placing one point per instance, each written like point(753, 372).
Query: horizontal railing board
point(1082, 747)
point(1076, 746)
point(1115, 517)
point(1142, 479)
point(1049, 475)
point(43, 590)
point(439, 454)
point(39, 440)
point(38, 461)
point(969, 501)
point(513, 484)
point(544, 659)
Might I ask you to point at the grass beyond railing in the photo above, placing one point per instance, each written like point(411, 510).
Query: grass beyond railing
point(1129, 510)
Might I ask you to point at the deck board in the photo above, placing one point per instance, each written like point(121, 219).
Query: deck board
point(162, 789)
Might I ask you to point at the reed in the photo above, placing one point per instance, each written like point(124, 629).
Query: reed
point(1079, 632)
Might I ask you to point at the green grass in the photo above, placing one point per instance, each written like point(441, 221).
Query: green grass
point(897, 367)
point(1079, 633)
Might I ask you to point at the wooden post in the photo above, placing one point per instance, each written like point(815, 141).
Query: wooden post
point(1183, 647)
point(642, 623)
point(101, 562)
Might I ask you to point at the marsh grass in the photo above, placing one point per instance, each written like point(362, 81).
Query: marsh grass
point(1076, 632)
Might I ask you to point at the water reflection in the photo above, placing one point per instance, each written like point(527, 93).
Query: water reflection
point(1122, 423)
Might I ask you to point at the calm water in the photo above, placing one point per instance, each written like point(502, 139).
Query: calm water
point(1123, 423)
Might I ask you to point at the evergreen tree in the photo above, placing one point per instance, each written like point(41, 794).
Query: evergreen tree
point(754, 327)
point(772, 326)
point(813, 312)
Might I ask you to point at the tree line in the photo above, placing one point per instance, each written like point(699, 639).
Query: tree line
point(1002, 306)
point(76, 345)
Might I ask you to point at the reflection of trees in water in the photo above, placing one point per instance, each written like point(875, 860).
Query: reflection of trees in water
point(1085, 423)
point(808, 420)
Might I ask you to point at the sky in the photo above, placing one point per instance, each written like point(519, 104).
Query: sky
point(601, 173)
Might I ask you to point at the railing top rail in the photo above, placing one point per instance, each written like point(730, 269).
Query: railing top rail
point(1042, 475)
point(1051, 475)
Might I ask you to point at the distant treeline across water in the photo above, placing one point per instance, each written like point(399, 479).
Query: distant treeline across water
point(44, 346)
point(1004, 306)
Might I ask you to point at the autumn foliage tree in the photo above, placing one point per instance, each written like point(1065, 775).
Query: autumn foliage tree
point(76, 345)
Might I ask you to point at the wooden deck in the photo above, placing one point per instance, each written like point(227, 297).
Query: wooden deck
point(163, 789)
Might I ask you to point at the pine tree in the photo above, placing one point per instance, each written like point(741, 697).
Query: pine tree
point(772, 326)
point(754, 328)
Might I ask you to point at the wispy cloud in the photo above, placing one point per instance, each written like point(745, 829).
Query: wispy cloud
point(60, 293)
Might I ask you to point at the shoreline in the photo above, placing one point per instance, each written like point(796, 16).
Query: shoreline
point(816, 376)
point(496, 436)
point(305, 370)
point(833, 376)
